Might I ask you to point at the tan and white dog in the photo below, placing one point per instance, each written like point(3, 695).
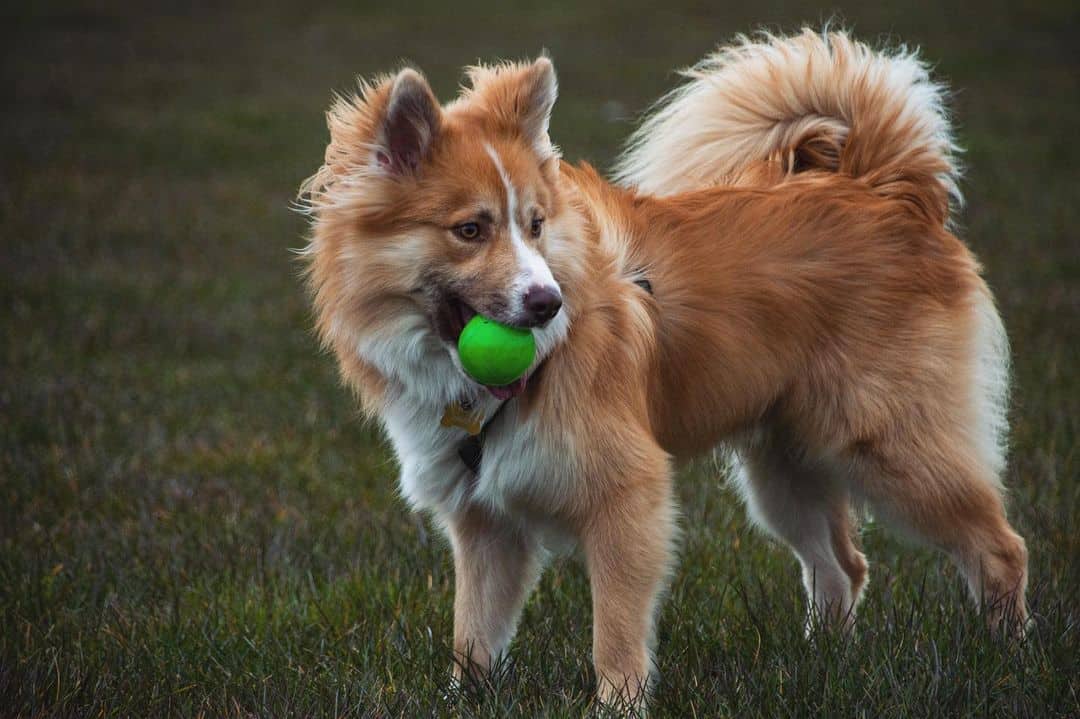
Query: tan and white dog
point(774, 273)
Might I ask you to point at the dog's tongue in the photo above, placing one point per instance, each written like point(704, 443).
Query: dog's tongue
point(510, 390)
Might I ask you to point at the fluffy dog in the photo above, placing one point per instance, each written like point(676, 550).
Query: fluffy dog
point(774, 274)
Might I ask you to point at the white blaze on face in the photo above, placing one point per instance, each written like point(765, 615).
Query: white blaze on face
point(533, 270)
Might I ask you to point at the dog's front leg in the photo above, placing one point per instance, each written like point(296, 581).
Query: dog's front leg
point(628, 550)
point(496, 565)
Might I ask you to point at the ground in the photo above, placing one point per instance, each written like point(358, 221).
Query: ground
point(193, 518)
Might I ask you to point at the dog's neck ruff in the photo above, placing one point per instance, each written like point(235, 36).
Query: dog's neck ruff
point(465, 414)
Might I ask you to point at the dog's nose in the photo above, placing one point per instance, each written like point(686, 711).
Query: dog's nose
point(540, 305)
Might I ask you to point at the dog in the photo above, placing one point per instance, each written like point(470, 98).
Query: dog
point(772, 272)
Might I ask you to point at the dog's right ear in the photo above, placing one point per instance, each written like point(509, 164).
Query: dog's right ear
point(410, 124)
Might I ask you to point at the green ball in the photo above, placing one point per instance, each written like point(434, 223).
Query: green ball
point(494, 354)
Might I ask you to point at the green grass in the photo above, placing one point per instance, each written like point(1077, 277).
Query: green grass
point(193, 520)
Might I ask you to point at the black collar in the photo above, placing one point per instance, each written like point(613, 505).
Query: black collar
point(471, 449)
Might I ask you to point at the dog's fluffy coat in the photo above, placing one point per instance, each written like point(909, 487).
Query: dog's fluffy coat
point(810, 310)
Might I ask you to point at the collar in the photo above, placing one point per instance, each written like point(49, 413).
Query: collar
point(464, 415)
point(471, 449)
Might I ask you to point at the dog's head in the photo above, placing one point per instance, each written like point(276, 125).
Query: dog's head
point(427, 215)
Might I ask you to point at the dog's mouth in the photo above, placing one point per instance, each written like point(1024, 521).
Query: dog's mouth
point(511, 390)
point(451, 316)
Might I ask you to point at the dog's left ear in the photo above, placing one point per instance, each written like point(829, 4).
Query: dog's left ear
point(537, 93)
point(518, 98)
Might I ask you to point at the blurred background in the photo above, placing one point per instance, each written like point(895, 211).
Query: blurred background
point(193, 519)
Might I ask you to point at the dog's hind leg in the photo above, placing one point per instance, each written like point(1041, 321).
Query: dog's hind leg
point(496, 566)
point(804, 505)
point(936, 488)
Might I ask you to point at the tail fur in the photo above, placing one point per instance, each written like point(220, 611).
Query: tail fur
point(810, 101)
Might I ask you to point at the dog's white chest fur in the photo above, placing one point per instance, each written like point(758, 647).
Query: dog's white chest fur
point(433, 475)
point(520, 460)
point(519, 463)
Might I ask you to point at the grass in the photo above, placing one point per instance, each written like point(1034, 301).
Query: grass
point(193, 521)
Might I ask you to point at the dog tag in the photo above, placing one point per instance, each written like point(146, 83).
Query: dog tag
point(463, 417)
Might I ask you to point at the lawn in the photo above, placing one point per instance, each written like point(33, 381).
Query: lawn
point(195, 521)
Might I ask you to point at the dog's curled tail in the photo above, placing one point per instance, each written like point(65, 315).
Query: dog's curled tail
point(789, 104)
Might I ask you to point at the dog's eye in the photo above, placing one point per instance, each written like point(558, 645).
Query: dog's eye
point(467, 231)
point(537, 226)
